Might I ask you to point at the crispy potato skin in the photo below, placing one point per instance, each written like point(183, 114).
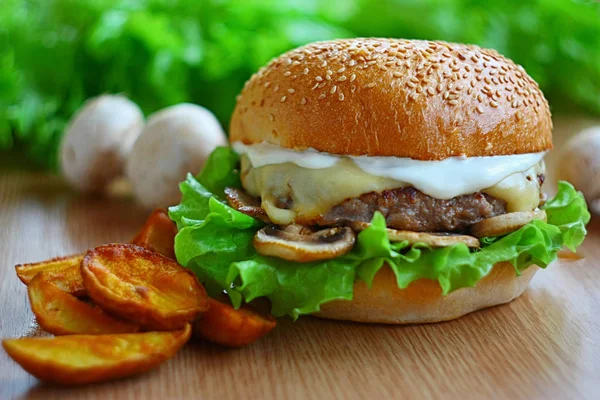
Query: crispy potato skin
point(145, 287)
point(64, 269)
point(81, 359)
point(227, 326)
point(59, 313)
point(158, 234)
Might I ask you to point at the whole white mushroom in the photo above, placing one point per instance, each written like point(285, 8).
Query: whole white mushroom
point(580, 164)
point(175, 141)
point(97, 141)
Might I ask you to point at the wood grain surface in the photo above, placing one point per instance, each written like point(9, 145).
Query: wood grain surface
point(544, 345)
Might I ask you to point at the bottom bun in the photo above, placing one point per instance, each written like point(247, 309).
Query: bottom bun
point(422, 301)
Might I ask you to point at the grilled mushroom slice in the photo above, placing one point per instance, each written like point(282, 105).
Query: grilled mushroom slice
point(302, 244)
point(433, 239)
point(246, 204)
point(505, 223)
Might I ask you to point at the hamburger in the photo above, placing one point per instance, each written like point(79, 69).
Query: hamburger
point(380, 180)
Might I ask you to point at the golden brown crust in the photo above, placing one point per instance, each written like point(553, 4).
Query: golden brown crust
point(422, 301)
point(387, 97)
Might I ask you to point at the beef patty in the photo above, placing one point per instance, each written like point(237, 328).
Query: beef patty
point(409, 209)
point(404, 208)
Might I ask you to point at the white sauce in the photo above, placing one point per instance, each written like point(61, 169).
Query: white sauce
point(442, 179)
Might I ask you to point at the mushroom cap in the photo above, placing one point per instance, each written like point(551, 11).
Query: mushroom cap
point(175, 141)
point(302, 244)
point(505, 223)
point(580, 164)
point(97, 141)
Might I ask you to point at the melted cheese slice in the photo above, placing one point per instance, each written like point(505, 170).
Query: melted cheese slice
point(300, 186)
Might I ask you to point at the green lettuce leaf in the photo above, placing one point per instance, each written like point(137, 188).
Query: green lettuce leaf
point(215, 242)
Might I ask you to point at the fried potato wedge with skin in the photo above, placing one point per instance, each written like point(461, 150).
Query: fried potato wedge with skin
point(81, 359)
point(65, 271)
point(60, 313)
point(505, 223)
point(433, 239)
point(158, 234)
point(142, 286)
point(227, 326)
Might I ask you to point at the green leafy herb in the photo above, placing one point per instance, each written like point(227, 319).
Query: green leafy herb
point(56, 54)
point(215, 242)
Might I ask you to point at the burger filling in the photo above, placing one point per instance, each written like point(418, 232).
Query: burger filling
point(308, 225)
point(350, 190)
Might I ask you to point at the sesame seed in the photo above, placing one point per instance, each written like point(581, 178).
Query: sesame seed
point(519, 115)
point(303, 101)
point(316, 86)
point(413, 96)
point(515, 104)
point(494, 104)
point(479, 98)
point(479, 109)
point(352, 63)
point(271, 117)
point(411, 85)
point(318, 78)
point(267, 84)
point(287, 73)
point(341, 96)
point(333, 89)
point(370, 85)
point(283, 98)
point(276, 88)
point(321, 96)
point(328, 77)
point(445, 96)
point(329, 72)
point(352, 77)
point(341, 70)
point(439, 87)
point(322, 85)
point(290, 90)
point(397, 74)
point(453, 102)
point(342, 78)
point(306, 70)
point(419, 89)
point(414, 79)
point(430, 91)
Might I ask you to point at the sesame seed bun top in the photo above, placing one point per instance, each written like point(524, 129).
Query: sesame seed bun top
point(388, 97)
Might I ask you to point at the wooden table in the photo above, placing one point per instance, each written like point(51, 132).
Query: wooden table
point(544, 345)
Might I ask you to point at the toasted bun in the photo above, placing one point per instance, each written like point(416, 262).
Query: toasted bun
point(387, 97)
point(422, 301)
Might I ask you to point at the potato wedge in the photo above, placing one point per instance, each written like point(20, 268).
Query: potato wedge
point(65, 271)
point(60, 313)
point(142, 286)
point(505, 223)
point(81, 359)
point(158, 234)
point(227, 326)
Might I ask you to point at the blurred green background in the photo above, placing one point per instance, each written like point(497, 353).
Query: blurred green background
point(54, 54)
